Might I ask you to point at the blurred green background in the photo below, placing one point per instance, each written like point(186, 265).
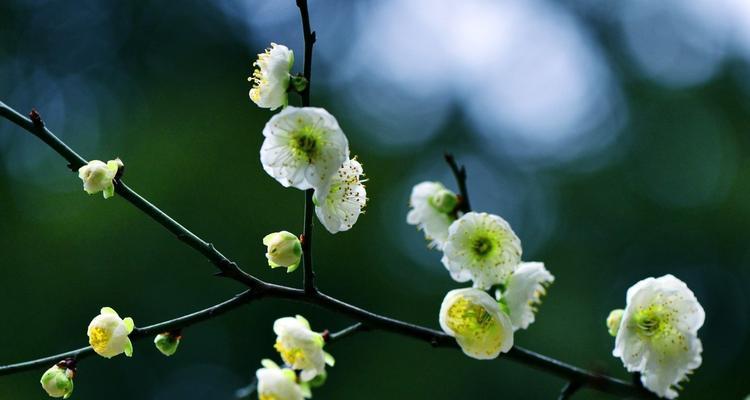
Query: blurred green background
point(612, 136)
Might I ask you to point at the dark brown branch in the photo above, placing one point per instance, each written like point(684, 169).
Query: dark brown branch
point(460, 174)
point(307, 233)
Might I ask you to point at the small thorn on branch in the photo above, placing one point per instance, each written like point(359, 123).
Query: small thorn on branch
point(313, 37)
point(36, 119)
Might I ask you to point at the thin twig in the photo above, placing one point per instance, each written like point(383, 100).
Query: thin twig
point(568, 390)
point(348, 331)
point(262, 289)
point(138, 333)
point(309, 37)
point(75, 161)
point(460, 174)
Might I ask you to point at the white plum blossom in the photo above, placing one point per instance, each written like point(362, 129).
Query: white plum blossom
point(483, 248)
point(474, 318)
point(58, 381)
point(432, 207)
point(108, 334)
point(276, 383)
point(283, 250)
point(271, 77)
point(99, 177)
point(303, 147)
point(523, 292)
point(658, 333)
point(339, 203)
point(300, 347)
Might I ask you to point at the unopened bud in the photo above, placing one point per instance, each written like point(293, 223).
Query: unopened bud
point(58, 381)
point(613, 321)
point(284, 250)
point(444, 200)
point(167, 343)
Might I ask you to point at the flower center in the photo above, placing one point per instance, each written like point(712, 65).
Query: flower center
point(465, 317)
point(482, 245)
point(649, 320)
point(99, 338)
point(655, 323)
point(305, 143)
point(290, 356)
point(267, 396)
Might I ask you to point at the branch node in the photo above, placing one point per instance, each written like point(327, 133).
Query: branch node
point(36, 119)
point(68, 363)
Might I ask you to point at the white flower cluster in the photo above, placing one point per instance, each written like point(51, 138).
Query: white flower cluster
point(657, 333)
point(305, 148)
point(481, 248)
point(301, 348)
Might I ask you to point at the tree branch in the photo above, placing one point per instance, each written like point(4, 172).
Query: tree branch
point(460, 174)
point(307, 232)
point(75, 161)
point(260, 289)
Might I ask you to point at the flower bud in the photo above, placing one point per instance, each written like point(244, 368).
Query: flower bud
point(299, 82)
point(613, 321)
point(167, 342)
point(284, 250)
point(58, 381)
point(444, 200)
point(99, 177)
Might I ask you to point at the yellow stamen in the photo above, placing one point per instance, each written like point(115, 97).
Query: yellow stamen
point(99, 339)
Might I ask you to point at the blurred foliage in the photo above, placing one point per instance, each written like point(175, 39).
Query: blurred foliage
point(163, 86)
